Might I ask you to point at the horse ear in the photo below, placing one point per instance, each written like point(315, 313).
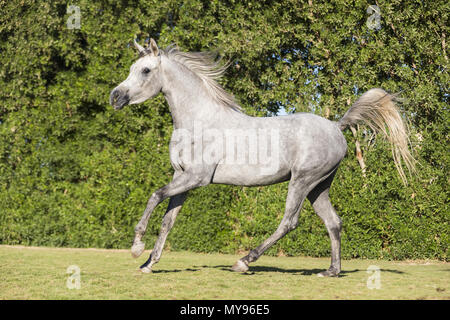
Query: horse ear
point(140, 48)
point(154, 47)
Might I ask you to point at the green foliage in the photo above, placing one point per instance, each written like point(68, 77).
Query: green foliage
point(73, 172)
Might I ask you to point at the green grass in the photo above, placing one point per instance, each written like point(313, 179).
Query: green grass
point(40, 273)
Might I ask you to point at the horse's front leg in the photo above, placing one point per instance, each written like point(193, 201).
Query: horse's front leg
point(175, 204)
point(181, 183)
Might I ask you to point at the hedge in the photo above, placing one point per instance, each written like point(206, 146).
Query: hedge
point(75, 173)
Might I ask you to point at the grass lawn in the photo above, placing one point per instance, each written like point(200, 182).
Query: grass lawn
point(41, 273)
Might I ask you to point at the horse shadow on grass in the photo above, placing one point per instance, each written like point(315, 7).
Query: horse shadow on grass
point(176, 270)
point(253, 270)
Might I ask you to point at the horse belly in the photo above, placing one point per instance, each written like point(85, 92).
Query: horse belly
point(250, 175)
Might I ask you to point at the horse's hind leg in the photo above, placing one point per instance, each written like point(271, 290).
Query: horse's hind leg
point(319, 198)
point(298, 189)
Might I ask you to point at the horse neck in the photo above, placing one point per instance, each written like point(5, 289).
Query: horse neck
point(187, 97)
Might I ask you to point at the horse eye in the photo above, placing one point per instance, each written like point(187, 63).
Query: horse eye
point(145, 70)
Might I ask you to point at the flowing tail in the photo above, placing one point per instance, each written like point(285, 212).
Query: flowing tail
point(377, 109)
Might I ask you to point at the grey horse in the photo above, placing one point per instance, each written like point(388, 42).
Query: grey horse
point(215, 142)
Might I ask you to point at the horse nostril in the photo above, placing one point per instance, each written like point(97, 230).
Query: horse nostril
point(114, 96)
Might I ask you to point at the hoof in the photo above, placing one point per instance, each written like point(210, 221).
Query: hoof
point(328, 273)
point(137, 249)
point(146, 270)
point(240, 266)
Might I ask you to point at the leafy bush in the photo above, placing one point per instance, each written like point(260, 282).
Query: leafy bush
point(75, 173)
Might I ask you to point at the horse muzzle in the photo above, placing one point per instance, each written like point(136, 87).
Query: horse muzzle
point(118, 99)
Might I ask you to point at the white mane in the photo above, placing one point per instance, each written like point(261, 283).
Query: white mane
point(209, 71)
